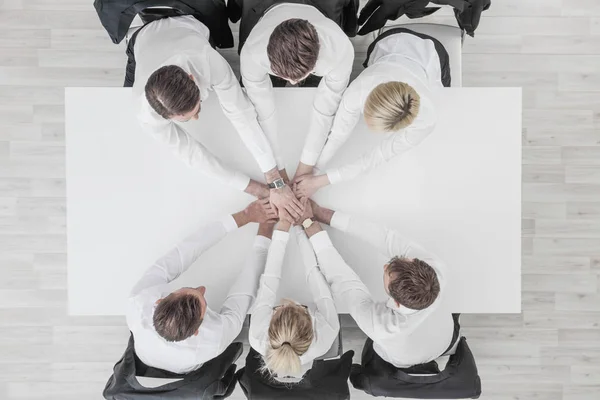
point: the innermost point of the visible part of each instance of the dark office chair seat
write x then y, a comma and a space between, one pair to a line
326, 380
459, 380
214, 380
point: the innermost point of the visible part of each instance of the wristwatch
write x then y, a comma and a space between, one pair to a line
277, 184
307, 223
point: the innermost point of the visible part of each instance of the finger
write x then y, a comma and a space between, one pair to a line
298, 209
294, 212
367, 10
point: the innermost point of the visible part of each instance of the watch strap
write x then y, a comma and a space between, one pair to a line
277, 183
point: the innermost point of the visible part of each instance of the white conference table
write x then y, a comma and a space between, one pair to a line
129, 200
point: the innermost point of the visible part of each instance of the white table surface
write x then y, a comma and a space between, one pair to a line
129, 200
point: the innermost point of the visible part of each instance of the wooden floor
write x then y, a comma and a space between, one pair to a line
549, 352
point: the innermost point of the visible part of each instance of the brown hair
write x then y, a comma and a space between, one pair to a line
178, 316
414, 283
391, 106
290, 336
293, 49
170, 91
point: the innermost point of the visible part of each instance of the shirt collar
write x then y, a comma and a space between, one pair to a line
400, 309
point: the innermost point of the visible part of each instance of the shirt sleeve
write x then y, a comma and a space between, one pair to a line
188, 149
392, 146
347, 286
240, 111
267, 293
326, 103
327, 320
243, 292
259, 89
182, 256
388, 242
346, 118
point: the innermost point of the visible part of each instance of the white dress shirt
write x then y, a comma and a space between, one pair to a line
323, 313
336, 55
183, 41
401, 336
218, 329
400, 57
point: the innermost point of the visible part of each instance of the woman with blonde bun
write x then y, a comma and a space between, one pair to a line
290, 336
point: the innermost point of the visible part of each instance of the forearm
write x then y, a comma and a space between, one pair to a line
243, 291
273, 174
304, 169
257, 189
323, 215
313, 229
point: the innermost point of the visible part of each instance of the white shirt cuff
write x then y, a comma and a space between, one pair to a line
229, 223
240, 181
281, 236
309, 157
280, 163
262, 242
334, 176
340, 221
320, 241
266, 162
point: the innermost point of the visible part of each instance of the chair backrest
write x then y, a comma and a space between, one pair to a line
458, 380
451, 37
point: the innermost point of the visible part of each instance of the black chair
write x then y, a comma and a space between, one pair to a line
117, 16
459, 380
214, 380
326, 380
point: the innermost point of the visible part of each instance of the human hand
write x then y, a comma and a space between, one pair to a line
307, 185
287, 205
308, 210
303, 169
266, 229
261, 211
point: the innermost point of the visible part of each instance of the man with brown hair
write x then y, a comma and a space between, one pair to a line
409, 328
175, 69
296, 44
176, 330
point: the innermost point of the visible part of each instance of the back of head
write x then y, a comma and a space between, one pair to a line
178, 316
170, 91
413, 283
293, 49
290, 336
391, 106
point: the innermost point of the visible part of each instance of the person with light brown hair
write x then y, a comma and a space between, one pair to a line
296, 44
410, 328
177, 330
175, 69
289, 336
395, 94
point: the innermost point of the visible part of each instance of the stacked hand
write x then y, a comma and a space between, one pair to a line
307, 185
286, 204
308, 210
261, 211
